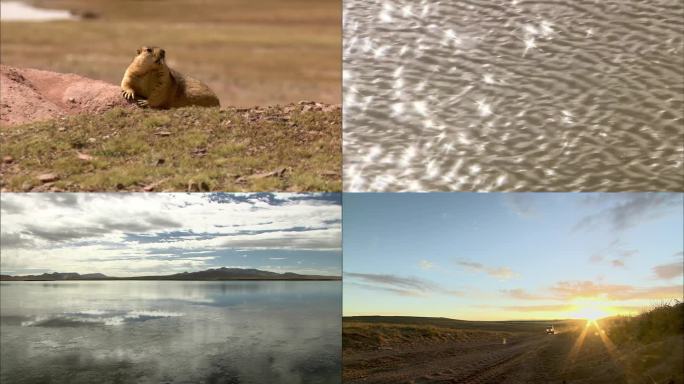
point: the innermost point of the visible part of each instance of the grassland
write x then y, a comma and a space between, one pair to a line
289, 148
373, 332
366, 336
258, 56
443, 322
257, 52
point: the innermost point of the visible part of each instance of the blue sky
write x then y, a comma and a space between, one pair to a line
510, 256
132, 234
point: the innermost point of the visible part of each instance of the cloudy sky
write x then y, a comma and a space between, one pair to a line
511, 256
124, 234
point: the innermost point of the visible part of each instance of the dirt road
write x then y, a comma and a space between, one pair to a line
525, 358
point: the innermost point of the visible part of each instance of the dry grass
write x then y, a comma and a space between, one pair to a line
258, 52
292, 148
358, 336
651, 345
662, 320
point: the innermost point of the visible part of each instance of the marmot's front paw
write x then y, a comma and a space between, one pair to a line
143, 103
128, 94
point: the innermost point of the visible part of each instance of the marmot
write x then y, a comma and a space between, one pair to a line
152, 83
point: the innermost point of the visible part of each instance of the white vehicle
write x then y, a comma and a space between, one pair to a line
550, 330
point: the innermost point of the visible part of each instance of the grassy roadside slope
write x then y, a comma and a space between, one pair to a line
651, 345
279, 148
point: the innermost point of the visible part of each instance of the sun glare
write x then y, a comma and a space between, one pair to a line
590, 309
591, 313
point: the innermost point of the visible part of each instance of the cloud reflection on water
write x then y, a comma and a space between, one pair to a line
177, 332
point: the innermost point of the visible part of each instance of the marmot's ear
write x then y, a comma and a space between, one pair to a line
138, 51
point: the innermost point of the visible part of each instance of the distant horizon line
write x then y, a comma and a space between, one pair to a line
456, 319
45, 276
323, 278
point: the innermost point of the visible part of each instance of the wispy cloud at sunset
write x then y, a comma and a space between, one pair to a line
511, 256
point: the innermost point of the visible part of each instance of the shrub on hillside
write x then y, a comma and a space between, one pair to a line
662, 320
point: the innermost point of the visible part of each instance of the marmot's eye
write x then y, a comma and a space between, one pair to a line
149, 50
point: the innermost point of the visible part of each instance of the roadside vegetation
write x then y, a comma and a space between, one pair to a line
281, 148
662, 320
651, 345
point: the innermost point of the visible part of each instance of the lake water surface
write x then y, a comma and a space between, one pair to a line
170, 332
513, 95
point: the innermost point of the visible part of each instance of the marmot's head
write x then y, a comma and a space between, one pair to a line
149, 57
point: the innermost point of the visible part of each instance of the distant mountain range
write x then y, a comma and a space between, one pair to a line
208, 275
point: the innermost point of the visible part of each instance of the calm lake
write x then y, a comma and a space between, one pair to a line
170, 332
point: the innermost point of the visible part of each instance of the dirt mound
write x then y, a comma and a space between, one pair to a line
28, 95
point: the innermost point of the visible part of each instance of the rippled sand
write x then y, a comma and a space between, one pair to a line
513, 95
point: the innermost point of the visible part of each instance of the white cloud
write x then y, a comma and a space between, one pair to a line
124, 234
501, 273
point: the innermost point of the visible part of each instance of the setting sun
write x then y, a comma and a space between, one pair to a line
590, 309
591, 313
